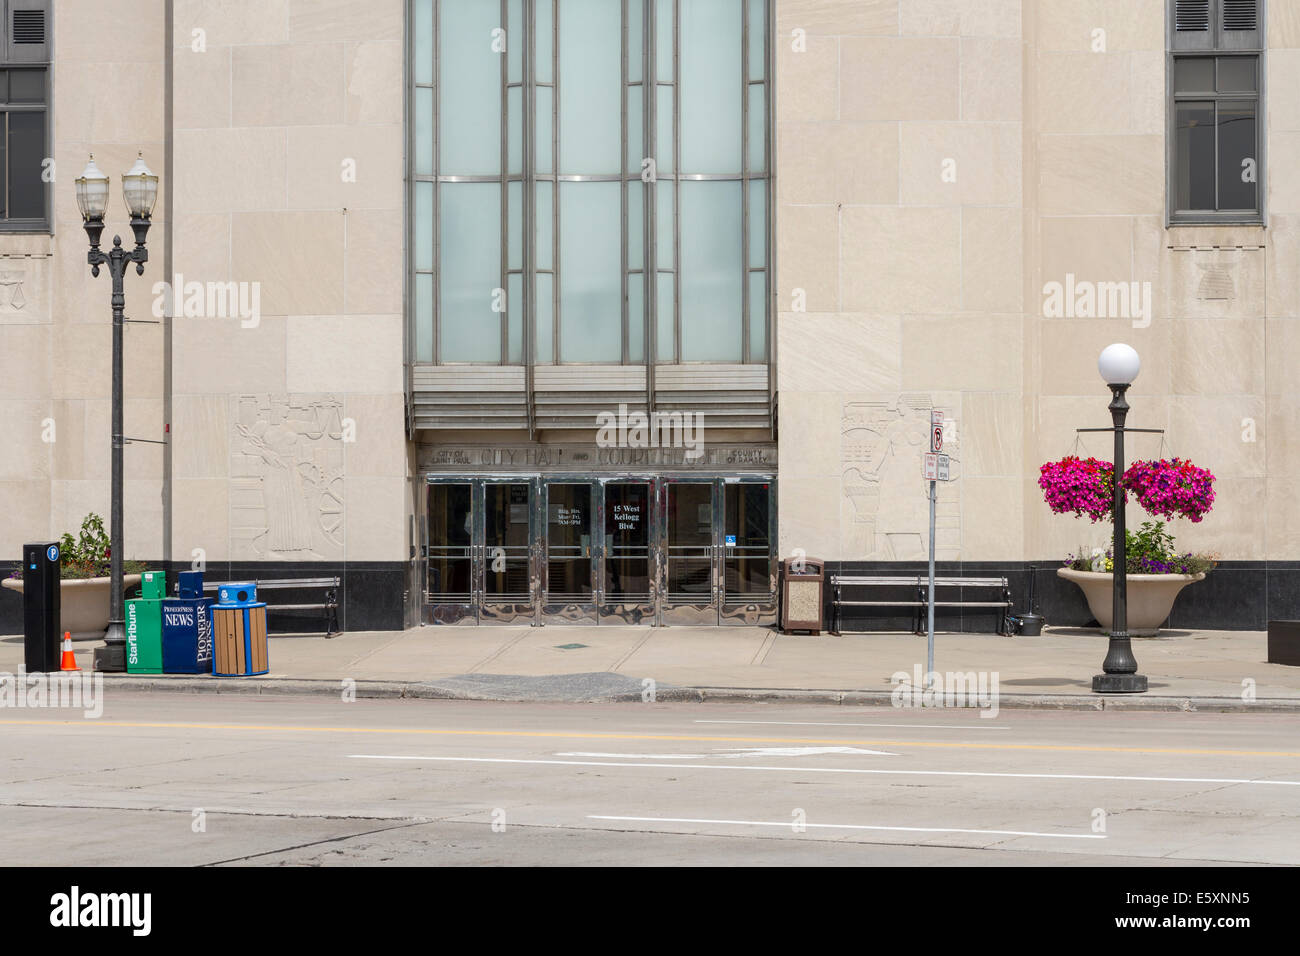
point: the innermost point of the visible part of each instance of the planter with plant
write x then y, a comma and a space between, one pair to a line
1156, 570
84, 582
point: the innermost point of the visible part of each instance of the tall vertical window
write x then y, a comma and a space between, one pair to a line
590, 181
24, 112
1216, 165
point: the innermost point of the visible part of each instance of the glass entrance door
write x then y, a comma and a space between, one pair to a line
690, 541
628, 580
571, 552
748, 565
480, 559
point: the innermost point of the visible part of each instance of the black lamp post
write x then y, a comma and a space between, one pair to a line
140, 190
1119, 366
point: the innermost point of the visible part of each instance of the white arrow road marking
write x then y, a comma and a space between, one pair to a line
855, 826
806, 769
733, 752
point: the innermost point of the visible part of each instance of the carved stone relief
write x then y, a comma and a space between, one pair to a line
885, 511
286, 477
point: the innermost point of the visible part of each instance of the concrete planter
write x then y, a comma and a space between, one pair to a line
1150, 597
83, 604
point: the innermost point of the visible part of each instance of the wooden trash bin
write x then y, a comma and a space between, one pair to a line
239, 645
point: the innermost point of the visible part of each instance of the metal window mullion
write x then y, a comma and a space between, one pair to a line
649, 198
504, 236
555, 169
437, 190
677, 193
622, 192
528, 190
744, 182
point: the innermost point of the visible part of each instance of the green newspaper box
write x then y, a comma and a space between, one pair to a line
144, 636
153, 585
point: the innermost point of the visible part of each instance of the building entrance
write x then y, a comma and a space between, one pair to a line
618, 550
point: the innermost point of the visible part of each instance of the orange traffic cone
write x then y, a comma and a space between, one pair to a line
69, 658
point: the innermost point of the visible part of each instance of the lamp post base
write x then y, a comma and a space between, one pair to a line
111, 658
1119, 684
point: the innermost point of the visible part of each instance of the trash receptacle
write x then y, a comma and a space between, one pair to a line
239, 628
802, 585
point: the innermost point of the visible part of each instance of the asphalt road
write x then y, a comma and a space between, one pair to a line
201, 780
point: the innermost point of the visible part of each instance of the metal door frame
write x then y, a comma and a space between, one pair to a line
456, 612
751, 613
569, 612
704, 613
506, 612
636, 614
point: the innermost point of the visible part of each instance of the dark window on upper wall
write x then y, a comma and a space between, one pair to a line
1216, 163
25, 167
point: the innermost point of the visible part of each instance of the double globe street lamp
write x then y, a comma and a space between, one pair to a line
140, 191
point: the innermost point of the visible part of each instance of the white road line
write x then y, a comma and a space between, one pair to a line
732, 752
819, 723
801, 769
856, 826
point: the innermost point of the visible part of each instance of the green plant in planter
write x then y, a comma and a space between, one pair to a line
1149, 550
88, 555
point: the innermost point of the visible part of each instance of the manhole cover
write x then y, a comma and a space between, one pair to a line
569, 647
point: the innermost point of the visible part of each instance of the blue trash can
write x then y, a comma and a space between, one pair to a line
239, 632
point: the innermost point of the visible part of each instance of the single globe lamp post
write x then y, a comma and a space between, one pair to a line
140, 191
1119, 366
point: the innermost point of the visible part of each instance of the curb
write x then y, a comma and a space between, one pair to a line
415, 690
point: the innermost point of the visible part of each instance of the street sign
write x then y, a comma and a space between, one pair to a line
936, 467
936, 431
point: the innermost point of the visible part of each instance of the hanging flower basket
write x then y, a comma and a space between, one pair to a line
1078, 486
1170, 488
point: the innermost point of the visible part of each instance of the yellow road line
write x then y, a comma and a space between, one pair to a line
575, 735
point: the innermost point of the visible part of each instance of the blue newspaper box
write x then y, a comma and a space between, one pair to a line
189, 584
187, 636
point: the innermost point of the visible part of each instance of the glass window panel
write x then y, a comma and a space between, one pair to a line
636, 317
515, 130
1237, 154
635, 129
757, 146
544, 225
635, 225
543, 27
1194, 74
627, 540
26, 153
635, 38
450, 535
515, 316
591, 76
424, 226
515, 235
711, 82
26, 86
665, 337
1236, 74
1194, 155
469, 270
758, 317
542, 138
664, 129
569, 520
757, 39
515, 41
746, 522
757, 223
664, 41
4, 86
711, 272
424, 317
664, 224
423, 30
591, 326
469, 112
424, 131
543, 319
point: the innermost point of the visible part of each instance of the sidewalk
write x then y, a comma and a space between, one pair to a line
1187, 670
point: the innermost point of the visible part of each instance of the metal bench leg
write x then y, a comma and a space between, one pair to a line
331, 614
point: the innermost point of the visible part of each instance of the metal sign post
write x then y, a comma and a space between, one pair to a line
936, 469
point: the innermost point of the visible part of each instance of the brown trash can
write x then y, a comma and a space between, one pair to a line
802, 592
239, 641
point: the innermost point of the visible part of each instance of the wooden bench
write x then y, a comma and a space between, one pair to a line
922, 584
329, 602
